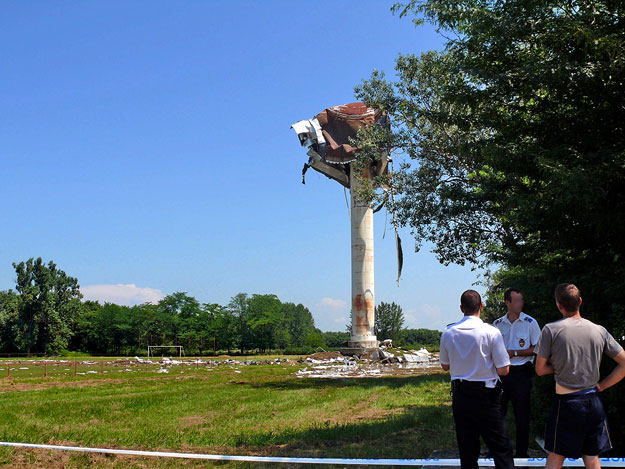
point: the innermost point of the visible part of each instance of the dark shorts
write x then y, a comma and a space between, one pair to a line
577, 425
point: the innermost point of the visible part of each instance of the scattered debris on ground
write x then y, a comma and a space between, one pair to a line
56, 367
383, 361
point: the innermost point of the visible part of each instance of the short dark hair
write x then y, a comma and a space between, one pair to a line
507, 295
471, 301
568, 296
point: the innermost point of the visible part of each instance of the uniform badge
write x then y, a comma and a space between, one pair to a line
521, 343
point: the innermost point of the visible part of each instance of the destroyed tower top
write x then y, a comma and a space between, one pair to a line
327, 136
339, 124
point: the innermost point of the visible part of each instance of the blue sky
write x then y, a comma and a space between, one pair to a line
146, 149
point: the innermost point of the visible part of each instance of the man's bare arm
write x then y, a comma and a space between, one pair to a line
503, 370
617, 374
445, 367
543, 367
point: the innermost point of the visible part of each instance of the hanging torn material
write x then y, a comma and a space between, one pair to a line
400, 255
400, 252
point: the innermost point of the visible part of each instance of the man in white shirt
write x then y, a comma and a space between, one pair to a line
520, 334
475, 355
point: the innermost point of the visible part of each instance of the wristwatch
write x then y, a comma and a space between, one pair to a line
516, 353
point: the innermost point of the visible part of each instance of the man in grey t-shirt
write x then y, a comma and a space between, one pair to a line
571, 349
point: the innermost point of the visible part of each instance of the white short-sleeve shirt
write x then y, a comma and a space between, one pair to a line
473, 350
519, 335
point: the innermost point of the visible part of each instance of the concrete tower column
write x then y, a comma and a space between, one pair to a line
363, 305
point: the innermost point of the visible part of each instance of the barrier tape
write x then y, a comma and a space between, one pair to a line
539, 462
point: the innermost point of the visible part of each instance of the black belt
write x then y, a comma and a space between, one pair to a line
475, 389
464, 385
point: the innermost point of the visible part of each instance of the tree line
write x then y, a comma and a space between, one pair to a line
45, 314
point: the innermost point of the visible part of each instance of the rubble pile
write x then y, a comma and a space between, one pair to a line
371, 363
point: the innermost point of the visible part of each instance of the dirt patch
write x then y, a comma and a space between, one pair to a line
81, 383
325, 355
75, 425
13, 386
363, 414
56, 459
196, 420
361, 411
45, 459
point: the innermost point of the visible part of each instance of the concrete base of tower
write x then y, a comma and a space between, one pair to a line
363, 342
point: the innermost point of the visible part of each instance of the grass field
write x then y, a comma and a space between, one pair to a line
257, 410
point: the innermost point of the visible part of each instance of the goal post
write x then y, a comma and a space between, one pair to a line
179, 347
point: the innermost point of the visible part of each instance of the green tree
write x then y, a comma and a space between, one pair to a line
389, 321
266, 321
181, 304
179, 313
152, 323
239, 307
223, 326
336, 339
84, 332
9, 320
299, 323
513, 133
314, 340
49, 301
422, 337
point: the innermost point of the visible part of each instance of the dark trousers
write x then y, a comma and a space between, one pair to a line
477, 412
517, 386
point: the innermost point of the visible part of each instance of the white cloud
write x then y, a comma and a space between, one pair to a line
331, 314
410, 318
121, 294
431, 310
331, 303
430, 317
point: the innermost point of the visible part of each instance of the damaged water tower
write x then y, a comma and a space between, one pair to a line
327, 137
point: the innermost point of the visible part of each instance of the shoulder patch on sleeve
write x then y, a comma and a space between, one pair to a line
497, 321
